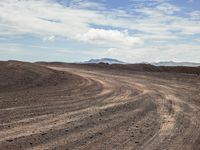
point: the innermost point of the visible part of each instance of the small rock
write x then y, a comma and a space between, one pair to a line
9, 140
91, 137
136, 141
43, 133
66, 130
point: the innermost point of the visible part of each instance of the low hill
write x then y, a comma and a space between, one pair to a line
20, 75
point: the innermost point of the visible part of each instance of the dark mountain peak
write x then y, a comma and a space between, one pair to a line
104, 60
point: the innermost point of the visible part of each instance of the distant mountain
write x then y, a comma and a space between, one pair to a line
172, 63
103, 60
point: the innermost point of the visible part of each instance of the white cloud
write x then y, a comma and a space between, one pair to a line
113, 37
46, 18
167, 8
85, 4
49, 38
43, 18
197, 40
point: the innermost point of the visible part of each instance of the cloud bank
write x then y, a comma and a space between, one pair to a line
136, 29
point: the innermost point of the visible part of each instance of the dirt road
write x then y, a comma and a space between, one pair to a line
104, 109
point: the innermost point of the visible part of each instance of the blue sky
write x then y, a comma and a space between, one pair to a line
78, 30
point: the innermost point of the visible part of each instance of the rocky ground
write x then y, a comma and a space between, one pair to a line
70, 106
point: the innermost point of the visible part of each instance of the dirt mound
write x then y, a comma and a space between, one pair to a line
180, 69
151, 68
20, 75
138, 67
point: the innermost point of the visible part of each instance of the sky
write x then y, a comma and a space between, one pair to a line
78, 30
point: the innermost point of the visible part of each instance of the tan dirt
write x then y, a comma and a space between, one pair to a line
103, 109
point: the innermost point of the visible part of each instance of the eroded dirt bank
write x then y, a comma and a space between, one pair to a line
91, 108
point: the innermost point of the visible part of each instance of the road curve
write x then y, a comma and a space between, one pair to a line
105, 110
